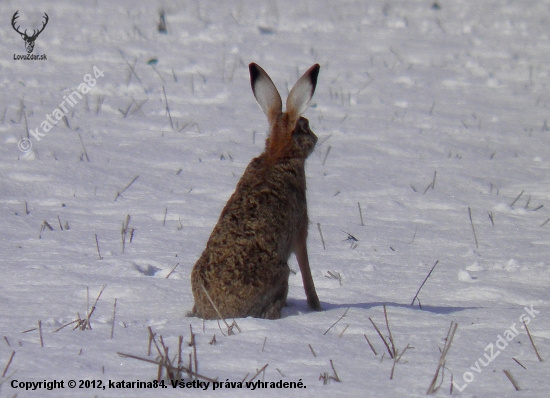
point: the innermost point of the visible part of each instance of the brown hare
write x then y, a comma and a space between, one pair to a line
243, 271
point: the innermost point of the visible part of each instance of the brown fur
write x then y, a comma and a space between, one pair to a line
244, 267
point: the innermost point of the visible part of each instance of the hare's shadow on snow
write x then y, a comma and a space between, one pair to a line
296, 307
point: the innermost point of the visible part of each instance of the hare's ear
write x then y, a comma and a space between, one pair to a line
301, 93
265, 92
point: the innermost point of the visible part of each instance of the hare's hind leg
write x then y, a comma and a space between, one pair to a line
269, 302
273, 311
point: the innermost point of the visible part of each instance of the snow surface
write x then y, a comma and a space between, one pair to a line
406, 91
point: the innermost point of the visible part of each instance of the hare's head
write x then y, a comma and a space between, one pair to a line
290, 135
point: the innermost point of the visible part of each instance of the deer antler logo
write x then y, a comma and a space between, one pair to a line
29, 40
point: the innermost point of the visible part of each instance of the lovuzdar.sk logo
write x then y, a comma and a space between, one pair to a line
29, 39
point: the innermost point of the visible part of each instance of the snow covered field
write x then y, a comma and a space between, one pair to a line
426, 116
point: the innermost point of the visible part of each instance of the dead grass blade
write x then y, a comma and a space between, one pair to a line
509, 376
327, 378
258, 372
532, 342
229, 327
84, 323
162, 363
382, 337
8, 364
441, 365
422, 285
370, 345
339, 319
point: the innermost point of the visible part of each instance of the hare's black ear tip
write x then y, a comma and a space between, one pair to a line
314, 73
254, 71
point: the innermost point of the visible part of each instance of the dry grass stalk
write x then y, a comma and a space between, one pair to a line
313, 352
97, 246
40, 331
532, 342
132, 72
321, 234
339, 319
99, 104
370, 345
382, 337
84, 323
509, 376
519, 363
414, 235
119, 193
229, 327
422, 285
346, 328
327, 378
262, 369
172, 373
441, 365
180, 347
150, 342
113, 323
22, 111
85, 154
432, 184
167, 107
87, 324
352, 239
43, 227
124, 231
516, 199
336, 276
164, 363
473, 228
326, 154
527, 203
396, 359
173, 269
193, 344
335, 378
8, 364
68, 324
394, 350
